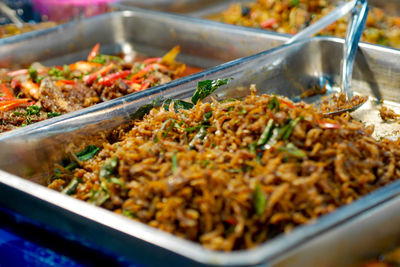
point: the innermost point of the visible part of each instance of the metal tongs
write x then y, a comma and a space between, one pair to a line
359, 12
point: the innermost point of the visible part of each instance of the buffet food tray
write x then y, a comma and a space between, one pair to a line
146, 33
29, 156
151, 33
200, 8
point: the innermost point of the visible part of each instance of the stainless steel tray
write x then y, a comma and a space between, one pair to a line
150, 33
285, 70
203, 44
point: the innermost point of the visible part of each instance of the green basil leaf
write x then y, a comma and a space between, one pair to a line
206, 88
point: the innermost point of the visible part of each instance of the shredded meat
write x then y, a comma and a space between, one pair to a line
231, 175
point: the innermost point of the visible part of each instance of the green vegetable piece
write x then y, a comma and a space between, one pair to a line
33, 73
293, 151
170, 127
71, 188
199, 136
87, 153
287, 130
178, 104
32, 110
56, 72
259, 200
266, 135
174, 160
207, 116
129, 214
253, 148
142, 111
108, 168
99, 197
274, 104
53, 114
294, 2
101, 59
117, 181
206, 88
195, 128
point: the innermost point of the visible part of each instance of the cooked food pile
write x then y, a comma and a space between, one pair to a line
11, 29
35, 94
231, 174
291, 16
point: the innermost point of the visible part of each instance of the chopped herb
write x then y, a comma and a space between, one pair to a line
33, 73
174, 160
204, 163
274, 104
83, 155
55, 72
170, 127
53, 114
229, 100
199, 136
253, 148
143, 110
195, 128
99, 197
102, 59
32, 110
292, 150
242, 111
129, 214
71, 188
178, 104
267, 134
87, 153
206, 88
117, 181
108, 168
259, 200
288, 128
16, 113
294, 2
207, 116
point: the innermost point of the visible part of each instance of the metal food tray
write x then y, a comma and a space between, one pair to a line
207, 8
144, 32
203, 44
285, 70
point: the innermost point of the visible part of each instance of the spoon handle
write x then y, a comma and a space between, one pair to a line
355, 29
11, 14
324, 22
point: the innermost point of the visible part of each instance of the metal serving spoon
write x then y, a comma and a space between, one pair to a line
355, 29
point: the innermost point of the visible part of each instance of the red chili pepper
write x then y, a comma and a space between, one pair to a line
89, 79
64, 82
109, 79
287, 103
142, 72
145, 85
5, 91
151, 60
328, 125
94, 52
11, 104
269, 23
231, 221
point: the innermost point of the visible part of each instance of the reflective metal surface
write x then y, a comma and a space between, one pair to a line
287, 70
203, 44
